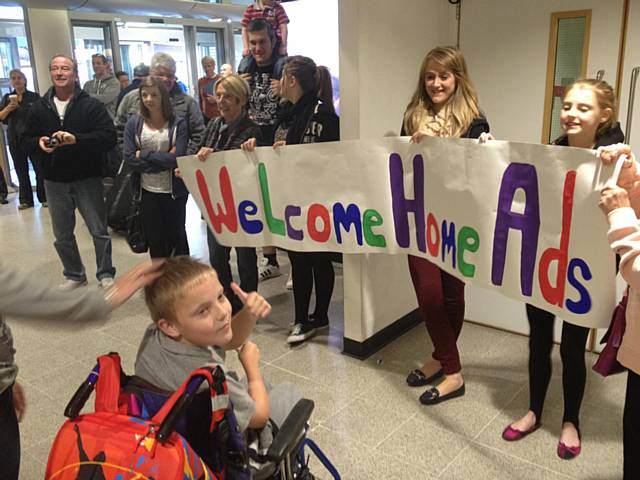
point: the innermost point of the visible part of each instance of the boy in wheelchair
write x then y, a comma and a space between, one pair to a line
193, 327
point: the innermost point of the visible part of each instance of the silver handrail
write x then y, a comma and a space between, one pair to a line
599, 74
632, 96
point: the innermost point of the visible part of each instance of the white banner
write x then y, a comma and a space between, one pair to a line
521, 219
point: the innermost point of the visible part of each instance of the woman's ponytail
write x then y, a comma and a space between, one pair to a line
324, 87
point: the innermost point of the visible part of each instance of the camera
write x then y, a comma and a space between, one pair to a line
53, 142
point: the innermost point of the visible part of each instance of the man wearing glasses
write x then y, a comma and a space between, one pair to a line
72, 133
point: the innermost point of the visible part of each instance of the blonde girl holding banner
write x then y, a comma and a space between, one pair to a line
588, 119
444, 104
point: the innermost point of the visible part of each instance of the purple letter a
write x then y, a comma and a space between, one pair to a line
517, 175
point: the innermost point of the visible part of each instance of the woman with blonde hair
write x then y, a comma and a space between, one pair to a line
227, 132
444, 104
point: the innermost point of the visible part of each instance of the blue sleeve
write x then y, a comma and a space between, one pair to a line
161, 161
130, 147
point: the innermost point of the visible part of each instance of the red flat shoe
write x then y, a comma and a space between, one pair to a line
569, 453
511, 434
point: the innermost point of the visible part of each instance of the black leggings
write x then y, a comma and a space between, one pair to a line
163, 218
9, 436
631, 425
574, 370
307, 268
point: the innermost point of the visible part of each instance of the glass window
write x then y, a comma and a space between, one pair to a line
567, 61
139, 41
14, 53
207, 44
237, 47
14, 47
89, 40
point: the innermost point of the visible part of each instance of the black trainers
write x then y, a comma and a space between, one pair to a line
3, 200
318, 323
301, 332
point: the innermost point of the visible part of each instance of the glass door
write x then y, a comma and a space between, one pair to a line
208, 44
567, 61
139, 41
89, 39
14, 53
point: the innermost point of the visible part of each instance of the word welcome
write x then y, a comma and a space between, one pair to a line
486, 218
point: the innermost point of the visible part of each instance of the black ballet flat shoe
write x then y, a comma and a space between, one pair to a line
433, 397
418, 379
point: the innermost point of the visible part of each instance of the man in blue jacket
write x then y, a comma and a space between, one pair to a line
74, 131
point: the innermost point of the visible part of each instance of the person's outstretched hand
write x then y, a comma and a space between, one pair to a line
138, 277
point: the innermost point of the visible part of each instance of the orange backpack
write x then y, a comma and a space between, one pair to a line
109, 444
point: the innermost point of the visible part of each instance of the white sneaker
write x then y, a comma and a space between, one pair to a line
289, 284
301, 332
266, 270
106, 282
69, 285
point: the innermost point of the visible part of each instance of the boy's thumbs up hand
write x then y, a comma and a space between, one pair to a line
254, 303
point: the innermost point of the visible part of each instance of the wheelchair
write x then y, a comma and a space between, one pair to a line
223, 449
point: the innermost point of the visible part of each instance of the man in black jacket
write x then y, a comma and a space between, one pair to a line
74, 131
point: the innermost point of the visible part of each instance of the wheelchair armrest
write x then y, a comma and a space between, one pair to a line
291, 431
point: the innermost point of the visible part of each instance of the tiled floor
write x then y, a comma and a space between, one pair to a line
366, 419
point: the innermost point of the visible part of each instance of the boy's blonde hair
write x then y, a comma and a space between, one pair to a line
178, 275
605, 97
463, 104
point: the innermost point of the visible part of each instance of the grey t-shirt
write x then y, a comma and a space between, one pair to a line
166, 363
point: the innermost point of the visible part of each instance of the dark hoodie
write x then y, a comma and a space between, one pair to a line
608, 137
478, 126
308, 121
87, 119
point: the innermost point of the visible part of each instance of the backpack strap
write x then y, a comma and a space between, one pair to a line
108, 384
180, 400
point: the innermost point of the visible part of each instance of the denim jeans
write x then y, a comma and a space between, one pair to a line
219, 256
9, 437
86, 196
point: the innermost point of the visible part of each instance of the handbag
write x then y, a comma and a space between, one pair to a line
136, 237
607, 363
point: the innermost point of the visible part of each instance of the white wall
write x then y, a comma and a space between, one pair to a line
506, 43
631, 60
381, 49
50, 35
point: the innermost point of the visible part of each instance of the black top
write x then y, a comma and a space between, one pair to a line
87, 119
308, 121
478, 126
608, 137
222, 136
16, 119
